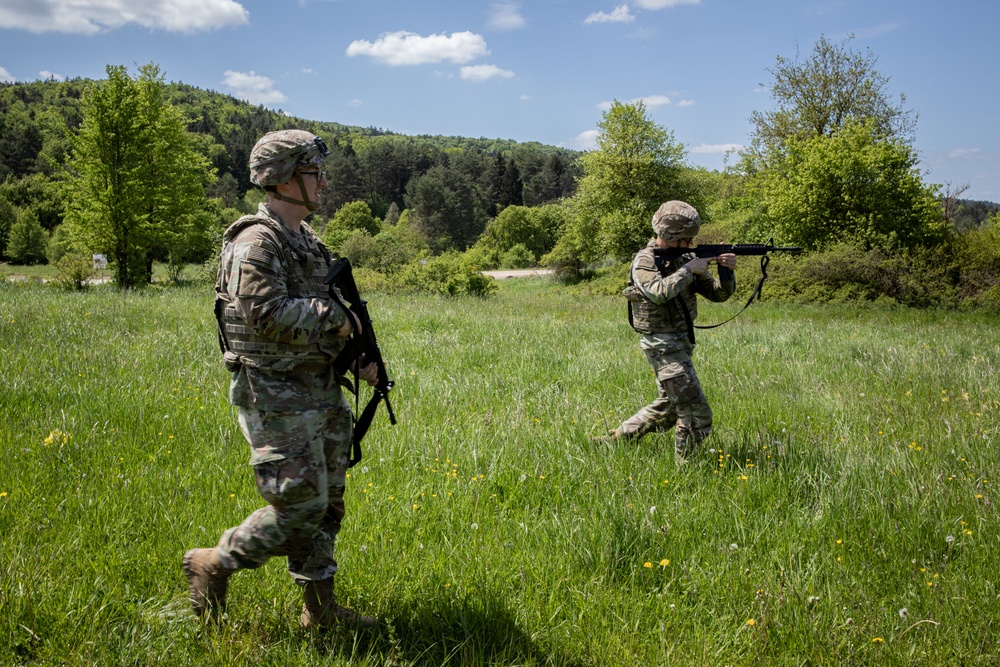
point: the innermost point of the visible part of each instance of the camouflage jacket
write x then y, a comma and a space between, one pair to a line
278, 323
655, 296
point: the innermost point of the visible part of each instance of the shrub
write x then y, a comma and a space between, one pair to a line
919, 277
518, 257
447, 275
73, 272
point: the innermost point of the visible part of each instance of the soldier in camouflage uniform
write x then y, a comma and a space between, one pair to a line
280, 330
662, 307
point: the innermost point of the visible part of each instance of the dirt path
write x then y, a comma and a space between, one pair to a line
518, 273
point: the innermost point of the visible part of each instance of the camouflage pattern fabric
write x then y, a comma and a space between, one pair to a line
676, 220
657, 315
681, 403
300, 464
284, 328
271, 282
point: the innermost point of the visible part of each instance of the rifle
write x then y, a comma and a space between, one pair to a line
365, 343
661, 256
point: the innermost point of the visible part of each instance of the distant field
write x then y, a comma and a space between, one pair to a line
847, 516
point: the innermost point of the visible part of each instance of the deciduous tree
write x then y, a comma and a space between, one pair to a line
637, 166
137, 187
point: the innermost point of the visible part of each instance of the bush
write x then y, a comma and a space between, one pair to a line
518, 257
920, 277
481, 258
73, 272
447, 275
564, 261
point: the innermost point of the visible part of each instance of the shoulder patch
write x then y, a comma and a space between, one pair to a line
258, 254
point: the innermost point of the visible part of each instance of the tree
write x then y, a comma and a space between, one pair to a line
8, 216
353, 217
27, 241
820, 95
535, 229
636, 167
834, 162
444, 208
851, 187
136, 190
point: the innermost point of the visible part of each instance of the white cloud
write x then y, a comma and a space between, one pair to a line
525, 98
408, 48
716, 149
661, 4
46, 75
506, 16
653, 101
686, 103
650, 102
355, 102
585, 141
960, 153
6, 77
620, 14
92, 16
483, 72
253, 88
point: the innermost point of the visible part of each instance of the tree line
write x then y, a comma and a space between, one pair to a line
831, 168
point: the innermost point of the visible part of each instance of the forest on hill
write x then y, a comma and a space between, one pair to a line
831, 168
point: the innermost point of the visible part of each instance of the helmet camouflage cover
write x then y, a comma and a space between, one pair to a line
676, 220
277, 155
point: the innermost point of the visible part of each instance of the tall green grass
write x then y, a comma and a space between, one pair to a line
845, 515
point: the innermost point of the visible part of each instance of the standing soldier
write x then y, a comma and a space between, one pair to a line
662, 307
280, 331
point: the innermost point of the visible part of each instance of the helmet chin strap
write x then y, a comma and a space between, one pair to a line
312, 206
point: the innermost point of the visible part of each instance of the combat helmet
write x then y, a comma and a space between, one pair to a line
278, 156
676, 220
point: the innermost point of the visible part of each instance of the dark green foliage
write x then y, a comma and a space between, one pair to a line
446, 274
27, 240
918, 277
38, 193
8, 216
445, 209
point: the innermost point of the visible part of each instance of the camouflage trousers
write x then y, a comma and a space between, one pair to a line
681, 405
300, 464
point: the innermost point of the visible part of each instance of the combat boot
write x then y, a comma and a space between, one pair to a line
208, 580
320, 609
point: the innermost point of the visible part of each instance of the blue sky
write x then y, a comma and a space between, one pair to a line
535, 70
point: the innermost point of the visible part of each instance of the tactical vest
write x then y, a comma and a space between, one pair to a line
647, 317
306, 262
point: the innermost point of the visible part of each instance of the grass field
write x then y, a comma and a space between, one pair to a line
846, 517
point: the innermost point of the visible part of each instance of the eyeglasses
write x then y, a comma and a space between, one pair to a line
320, 175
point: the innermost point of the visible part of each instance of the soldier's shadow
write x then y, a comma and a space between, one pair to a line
430, 633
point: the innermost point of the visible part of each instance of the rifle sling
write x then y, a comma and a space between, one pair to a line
764, 260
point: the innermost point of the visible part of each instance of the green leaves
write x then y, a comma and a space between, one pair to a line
136, 190
637, 166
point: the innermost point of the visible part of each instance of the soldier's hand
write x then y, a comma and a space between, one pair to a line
351, 324
727, 260
368, 373
699, 265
